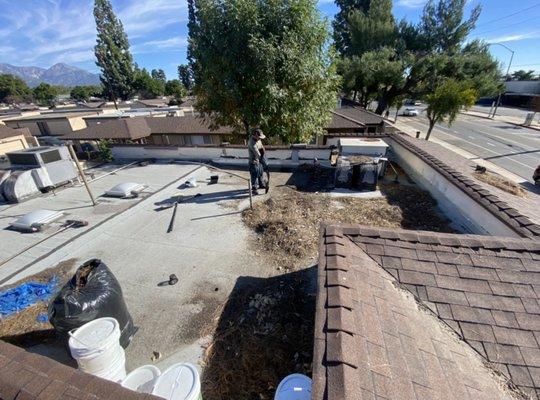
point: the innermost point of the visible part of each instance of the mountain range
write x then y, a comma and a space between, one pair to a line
59, 74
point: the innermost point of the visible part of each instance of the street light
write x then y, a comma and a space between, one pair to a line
507, 73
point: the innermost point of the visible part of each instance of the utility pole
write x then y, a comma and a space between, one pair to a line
507, 73
76, 160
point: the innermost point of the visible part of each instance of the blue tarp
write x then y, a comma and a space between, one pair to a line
23, 296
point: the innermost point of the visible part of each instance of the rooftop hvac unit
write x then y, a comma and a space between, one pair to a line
363, 146
36, 220
125, 190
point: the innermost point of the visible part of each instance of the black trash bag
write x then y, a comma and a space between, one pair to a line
93, 292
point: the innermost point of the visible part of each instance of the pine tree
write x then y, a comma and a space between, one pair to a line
159, 74
184, 74
112, 53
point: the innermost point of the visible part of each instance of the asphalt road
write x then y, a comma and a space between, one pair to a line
516, 149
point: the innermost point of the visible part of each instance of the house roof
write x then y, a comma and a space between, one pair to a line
140, 127
154, 102
6, 132
51, 115
349, 116
414, 314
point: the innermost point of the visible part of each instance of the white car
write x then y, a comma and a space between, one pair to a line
410, 112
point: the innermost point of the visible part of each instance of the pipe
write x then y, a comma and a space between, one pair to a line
74, 156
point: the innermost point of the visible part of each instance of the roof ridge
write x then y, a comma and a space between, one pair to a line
348, 118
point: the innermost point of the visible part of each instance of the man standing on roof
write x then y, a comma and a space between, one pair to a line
257, 160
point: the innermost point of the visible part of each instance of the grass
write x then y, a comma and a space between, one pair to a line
500, 183
287, 225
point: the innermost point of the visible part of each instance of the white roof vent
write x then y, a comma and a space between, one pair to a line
36, 220
126, 189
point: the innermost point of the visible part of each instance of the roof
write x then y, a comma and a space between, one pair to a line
31, 376
50, 115
125, 128
360, 114
6, 132
415, 314
140, 127
154, 102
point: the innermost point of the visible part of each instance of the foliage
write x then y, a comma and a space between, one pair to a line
83, 93
112, 53
159, 74
263, 64
184, 73
45, 94
523, 75
13, 89
146, 86
342, 36
447, 100
175, 88
104, 148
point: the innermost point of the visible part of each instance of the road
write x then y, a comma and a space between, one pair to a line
513, 148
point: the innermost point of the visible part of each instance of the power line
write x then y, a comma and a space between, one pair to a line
513, 25
509, 15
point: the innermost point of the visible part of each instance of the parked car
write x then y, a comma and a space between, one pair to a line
417, 103
536, 176
410, 112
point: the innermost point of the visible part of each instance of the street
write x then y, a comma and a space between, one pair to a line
517, 149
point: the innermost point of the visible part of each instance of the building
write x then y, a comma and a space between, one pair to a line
50, 124
14, 139
167, 131
521, 93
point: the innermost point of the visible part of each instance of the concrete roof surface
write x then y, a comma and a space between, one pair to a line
374, 339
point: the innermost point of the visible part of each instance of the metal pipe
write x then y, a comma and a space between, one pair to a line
76, 160
507, 73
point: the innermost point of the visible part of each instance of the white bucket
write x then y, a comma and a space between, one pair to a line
179, 382
191, 182
96, 347
294, 387
142, 379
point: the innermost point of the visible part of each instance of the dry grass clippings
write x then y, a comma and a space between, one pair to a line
500, 183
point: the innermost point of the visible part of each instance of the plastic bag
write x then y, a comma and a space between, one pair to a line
93, 292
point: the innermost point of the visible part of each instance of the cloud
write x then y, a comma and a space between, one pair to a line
514, 38
154, 46
411, 3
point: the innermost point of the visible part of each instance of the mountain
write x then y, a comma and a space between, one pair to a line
59, 74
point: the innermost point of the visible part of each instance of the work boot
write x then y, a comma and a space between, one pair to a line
254, 192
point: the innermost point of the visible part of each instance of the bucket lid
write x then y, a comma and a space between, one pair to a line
179, 382
142, 379
294, 387
95, 334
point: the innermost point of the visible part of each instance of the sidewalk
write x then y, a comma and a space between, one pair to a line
506, 118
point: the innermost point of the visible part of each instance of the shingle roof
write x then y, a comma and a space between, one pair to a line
6, 132
360, 114
372, 339
125, 128
188, 124
30, 376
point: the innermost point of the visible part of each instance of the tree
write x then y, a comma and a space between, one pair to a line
104, 149
263, 64
184, 73
447, 100
45, 94
523, 75
175, 89
13, 89
159, 74
146, 86
112, 53
83, 93
342, 37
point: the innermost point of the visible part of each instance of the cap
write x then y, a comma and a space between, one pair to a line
258, 132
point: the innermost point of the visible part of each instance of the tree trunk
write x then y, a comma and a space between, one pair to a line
115, 103
382, 104
431, 126
397, 111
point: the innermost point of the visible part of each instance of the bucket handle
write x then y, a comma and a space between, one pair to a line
71, 335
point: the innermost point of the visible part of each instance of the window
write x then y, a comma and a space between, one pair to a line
187, 140
207, 139
372, 129
50, 156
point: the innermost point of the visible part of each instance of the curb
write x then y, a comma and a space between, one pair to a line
536, 128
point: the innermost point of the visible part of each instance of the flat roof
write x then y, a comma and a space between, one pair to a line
51, 115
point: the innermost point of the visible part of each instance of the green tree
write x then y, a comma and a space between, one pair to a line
184, 73
112, 53
146, 86
447, 100
263, 64
175, 89
159, 74
104, 149
523, 75
45, 94
83, 93
13, 89
342, 35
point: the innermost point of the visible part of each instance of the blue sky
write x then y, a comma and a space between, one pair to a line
44, 32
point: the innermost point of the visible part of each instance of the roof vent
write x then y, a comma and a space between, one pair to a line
125, 190
36, 220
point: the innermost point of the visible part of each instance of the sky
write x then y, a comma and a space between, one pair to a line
44, 32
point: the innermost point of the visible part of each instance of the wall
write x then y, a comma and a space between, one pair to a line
31, 125
12, 143
464, 212
528, 87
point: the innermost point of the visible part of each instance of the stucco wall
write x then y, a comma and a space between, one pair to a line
464, 212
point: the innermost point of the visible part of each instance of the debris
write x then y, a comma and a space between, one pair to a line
500, 182
191, 182
156, 355
23, 296
42, 318
171, 223
173, 280
214, 179
480, 169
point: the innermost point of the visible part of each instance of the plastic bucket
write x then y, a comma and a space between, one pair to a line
179, 382
294, 387
142, 379
96, 348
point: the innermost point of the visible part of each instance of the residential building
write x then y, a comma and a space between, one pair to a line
14, 139
50, 124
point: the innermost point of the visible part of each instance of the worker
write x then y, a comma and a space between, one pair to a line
256, 150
